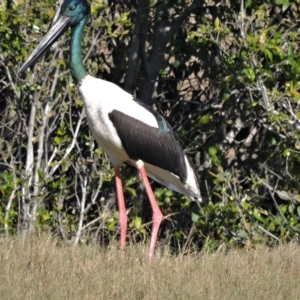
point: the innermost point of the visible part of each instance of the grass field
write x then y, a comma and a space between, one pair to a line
38, 268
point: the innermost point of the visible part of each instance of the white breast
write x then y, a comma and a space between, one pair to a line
102, 97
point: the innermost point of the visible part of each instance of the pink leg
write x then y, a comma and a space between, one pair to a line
157, 215
122, 211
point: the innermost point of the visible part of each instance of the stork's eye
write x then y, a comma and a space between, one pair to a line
72, 7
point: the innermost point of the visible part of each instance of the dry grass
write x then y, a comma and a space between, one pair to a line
37, 268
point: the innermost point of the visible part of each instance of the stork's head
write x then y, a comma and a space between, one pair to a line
76, 10
72, 12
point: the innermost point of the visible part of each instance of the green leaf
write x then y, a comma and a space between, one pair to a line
57, 140
112, 224
212, 150
246, 205
269, 54
46, 216
215, 160
164, 71
43, 213
257, 215
226, 96
250, 73
286, 152
8, 178
137, 222
178, 235
159, 192
41, 173
283, 208
195, 217
131, 190
99, 151
217, 22
285, 4
205, 119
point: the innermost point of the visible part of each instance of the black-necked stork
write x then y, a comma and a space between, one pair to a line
127, 130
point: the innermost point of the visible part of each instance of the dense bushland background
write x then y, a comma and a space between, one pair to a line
225, 74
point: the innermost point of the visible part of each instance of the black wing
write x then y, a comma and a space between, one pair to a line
155, 146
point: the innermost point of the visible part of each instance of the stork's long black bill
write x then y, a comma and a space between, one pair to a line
54, 33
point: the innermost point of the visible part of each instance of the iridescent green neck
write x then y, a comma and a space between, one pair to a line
76, 64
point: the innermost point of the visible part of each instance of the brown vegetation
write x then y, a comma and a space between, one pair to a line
225, 74
39, 268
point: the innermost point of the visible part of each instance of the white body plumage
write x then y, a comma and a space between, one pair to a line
100, 99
